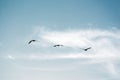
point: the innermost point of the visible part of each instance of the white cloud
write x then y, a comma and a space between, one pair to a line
105, 47
104, 43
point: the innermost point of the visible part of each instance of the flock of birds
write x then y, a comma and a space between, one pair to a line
58, 45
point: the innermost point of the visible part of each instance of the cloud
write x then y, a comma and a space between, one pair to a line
104, 43
105, 47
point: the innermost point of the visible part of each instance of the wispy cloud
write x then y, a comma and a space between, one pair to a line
104, 43
105, 47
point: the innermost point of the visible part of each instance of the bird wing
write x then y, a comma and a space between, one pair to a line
29, 42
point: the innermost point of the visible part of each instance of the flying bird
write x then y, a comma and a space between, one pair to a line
31, 41
57, 45
87, 48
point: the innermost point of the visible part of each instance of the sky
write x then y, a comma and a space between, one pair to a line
76, 24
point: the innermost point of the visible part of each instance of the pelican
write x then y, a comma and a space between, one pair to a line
57, 45
87, 48
31, 41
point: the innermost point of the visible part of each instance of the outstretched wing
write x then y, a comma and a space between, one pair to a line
87, 48
31, 41
57, 45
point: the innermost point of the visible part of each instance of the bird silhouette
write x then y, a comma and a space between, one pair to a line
57, 45
31, 41
87, 48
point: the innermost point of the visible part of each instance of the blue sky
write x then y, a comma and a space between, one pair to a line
73, 23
